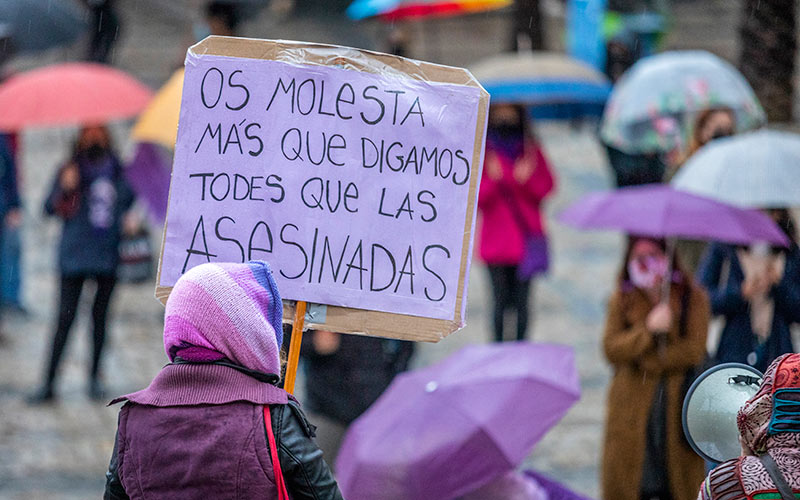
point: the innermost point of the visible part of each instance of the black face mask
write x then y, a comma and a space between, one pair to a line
509, 130
720, 133
95, 152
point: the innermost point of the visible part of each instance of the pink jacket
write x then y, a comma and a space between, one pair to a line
501, 239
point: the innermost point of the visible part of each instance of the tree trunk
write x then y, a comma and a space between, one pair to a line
527, 32
768, 45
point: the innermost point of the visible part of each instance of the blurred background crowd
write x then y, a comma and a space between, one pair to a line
681, 113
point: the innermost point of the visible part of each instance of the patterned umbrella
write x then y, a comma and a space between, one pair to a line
654, 101
758, 169
404, 9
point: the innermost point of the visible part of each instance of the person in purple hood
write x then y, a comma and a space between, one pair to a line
213, 423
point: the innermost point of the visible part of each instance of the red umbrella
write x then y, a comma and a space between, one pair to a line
70, 93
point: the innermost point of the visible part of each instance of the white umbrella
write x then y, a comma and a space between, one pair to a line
757, 169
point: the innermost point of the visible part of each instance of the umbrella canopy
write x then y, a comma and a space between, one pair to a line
758, 169
659, 211
443, 431
541, 78
41, 24
158, 123
653, 103
405, 9
70, 93
149, 175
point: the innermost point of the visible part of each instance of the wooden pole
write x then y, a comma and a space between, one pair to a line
294, 346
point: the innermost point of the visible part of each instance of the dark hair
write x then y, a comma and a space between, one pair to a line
786, 222
78, 147
224, 11
522, 116
700, 123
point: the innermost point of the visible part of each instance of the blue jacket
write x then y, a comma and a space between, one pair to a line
738, 340
86, 249
9, 195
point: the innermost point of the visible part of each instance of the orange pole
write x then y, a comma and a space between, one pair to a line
294, 346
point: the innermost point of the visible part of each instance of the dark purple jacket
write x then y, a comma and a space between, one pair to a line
198, 432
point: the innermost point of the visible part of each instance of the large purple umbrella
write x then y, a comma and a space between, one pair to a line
443, 431
660, 211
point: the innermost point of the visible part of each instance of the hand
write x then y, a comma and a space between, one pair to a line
14, 218
493, 168
523, 169
70, 177
325, 342
131, 224
659, 320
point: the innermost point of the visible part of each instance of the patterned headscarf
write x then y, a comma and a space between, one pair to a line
772, 416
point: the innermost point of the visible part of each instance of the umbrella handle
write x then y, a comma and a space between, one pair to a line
666, 283
294, 345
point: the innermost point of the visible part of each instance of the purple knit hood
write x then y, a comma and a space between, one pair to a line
231, 311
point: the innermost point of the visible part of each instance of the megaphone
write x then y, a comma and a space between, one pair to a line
710, 408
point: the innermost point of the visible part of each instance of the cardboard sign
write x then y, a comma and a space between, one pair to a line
354, 174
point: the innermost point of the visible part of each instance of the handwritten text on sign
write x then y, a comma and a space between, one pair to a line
352, 185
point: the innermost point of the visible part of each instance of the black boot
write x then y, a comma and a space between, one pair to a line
97, 391
44, 395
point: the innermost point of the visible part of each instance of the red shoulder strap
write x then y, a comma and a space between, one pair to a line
273, 450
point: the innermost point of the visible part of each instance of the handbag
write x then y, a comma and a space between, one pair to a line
536, 252
135, 258
273, 451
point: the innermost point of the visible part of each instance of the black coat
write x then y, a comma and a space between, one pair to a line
738, 340
342, 385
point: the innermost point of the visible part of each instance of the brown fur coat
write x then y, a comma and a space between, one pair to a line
638, 366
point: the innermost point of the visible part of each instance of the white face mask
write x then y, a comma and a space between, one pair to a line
645, 271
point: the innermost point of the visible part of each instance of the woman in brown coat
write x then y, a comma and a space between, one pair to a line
651, 346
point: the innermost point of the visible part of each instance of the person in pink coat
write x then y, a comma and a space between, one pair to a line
513, 244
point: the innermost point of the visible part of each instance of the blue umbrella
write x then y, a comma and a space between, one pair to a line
35, 25
551, 83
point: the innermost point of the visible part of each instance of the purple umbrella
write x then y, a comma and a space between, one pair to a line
443, 431
659, 211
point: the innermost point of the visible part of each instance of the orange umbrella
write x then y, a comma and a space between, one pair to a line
70, 93
158, 123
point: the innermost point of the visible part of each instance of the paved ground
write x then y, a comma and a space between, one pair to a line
62, 451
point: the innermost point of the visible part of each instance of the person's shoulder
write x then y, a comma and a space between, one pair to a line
724, 481
291, 415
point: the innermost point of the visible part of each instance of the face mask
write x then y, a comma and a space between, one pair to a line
720, 133
95, 152
509, 130
644, 272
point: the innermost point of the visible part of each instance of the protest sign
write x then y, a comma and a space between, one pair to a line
354, 173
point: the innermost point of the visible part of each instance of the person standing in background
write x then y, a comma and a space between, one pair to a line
710, 124
757, 293
10, 214
652, 345
11, 242
91, 196
513, 244
105, 28
345, 374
